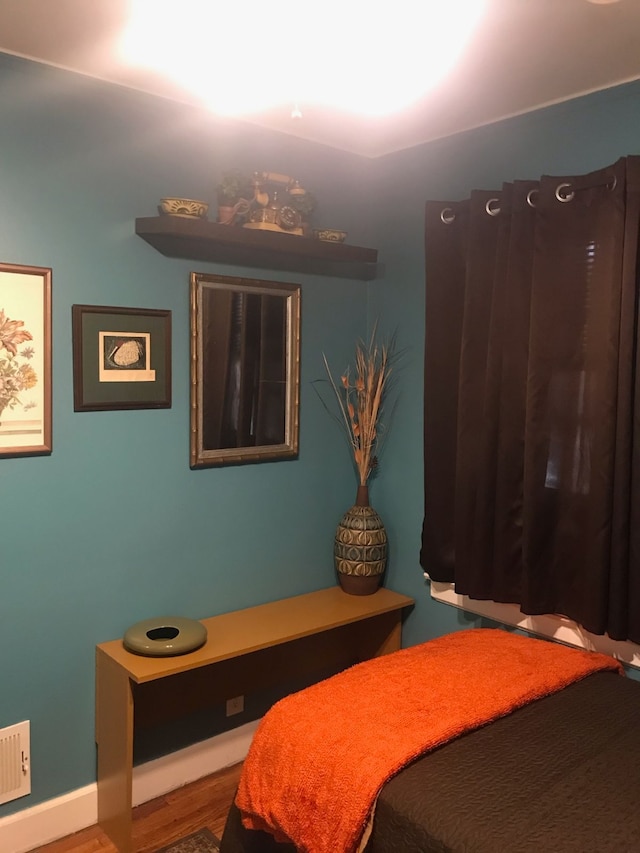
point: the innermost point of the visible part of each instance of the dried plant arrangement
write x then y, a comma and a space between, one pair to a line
363, 405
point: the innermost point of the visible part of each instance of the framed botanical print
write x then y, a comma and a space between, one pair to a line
25, 360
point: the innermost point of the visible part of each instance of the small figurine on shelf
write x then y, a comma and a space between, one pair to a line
235, 193
279, 203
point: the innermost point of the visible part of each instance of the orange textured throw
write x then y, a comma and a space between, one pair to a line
319, 757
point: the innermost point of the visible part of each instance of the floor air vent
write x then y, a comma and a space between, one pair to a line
15, 767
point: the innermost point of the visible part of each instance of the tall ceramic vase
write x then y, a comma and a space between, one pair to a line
360, 548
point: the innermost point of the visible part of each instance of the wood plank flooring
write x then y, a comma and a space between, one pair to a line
203, 803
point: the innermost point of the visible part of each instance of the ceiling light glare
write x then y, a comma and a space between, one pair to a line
372, 58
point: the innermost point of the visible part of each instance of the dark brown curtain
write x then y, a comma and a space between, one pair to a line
531, 427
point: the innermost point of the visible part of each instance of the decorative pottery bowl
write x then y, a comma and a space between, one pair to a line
330, 235
183, 207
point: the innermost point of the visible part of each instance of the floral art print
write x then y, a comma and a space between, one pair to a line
24, 360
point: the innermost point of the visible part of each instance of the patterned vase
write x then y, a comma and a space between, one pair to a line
360, 547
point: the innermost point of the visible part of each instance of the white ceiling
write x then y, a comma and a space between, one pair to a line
525, 55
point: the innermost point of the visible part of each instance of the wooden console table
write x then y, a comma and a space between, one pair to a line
246, 651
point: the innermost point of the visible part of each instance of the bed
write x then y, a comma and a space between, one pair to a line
560, 771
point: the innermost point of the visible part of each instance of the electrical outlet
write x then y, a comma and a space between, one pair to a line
235, 706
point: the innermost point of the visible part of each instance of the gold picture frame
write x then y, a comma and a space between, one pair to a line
25, 360
245, 370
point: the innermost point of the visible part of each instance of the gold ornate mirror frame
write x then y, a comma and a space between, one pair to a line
245, 370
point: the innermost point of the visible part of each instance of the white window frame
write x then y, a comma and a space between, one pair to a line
555, 627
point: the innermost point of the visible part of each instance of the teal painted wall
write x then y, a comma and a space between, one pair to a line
571, 138
114, 527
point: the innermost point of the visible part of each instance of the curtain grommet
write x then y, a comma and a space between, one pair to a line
561, 195
489, 206
447, 215
530, 197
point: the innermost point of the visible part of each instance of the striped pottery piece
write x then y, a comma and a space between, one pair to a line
360, 550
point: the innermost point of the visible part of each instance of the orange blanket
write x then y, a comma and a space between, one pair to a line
319, 757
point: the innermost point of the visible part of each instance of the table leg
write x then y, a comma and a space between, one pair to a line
114, 739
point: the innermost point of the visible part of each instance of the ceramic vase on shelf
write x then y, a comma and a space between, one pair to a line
360, 547
226, 214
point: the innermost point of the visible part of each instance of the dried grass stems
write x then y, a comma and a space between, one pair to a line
362, 398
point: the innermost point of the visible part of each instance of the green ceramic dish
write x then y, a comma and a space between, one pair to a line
165, 636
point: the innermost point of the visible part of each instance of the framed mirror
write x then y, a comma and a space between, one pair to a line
245, 370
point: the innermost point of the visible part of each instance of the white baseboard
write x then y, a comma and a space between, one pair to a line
78, 809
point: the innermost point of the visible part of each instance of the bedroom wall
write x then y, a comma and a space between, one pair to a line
114, 527
574, 137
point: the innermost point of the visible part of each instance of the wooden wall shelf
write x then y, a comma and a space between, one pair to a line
201, 240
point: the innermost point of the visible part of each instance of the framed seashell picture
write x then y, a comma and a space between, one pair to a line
121, 358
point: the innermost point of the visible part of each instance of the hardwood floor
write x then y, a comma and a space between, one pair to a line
165, 819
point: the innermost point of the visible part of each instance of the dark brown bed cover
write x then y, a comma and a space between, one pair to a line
561, 775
